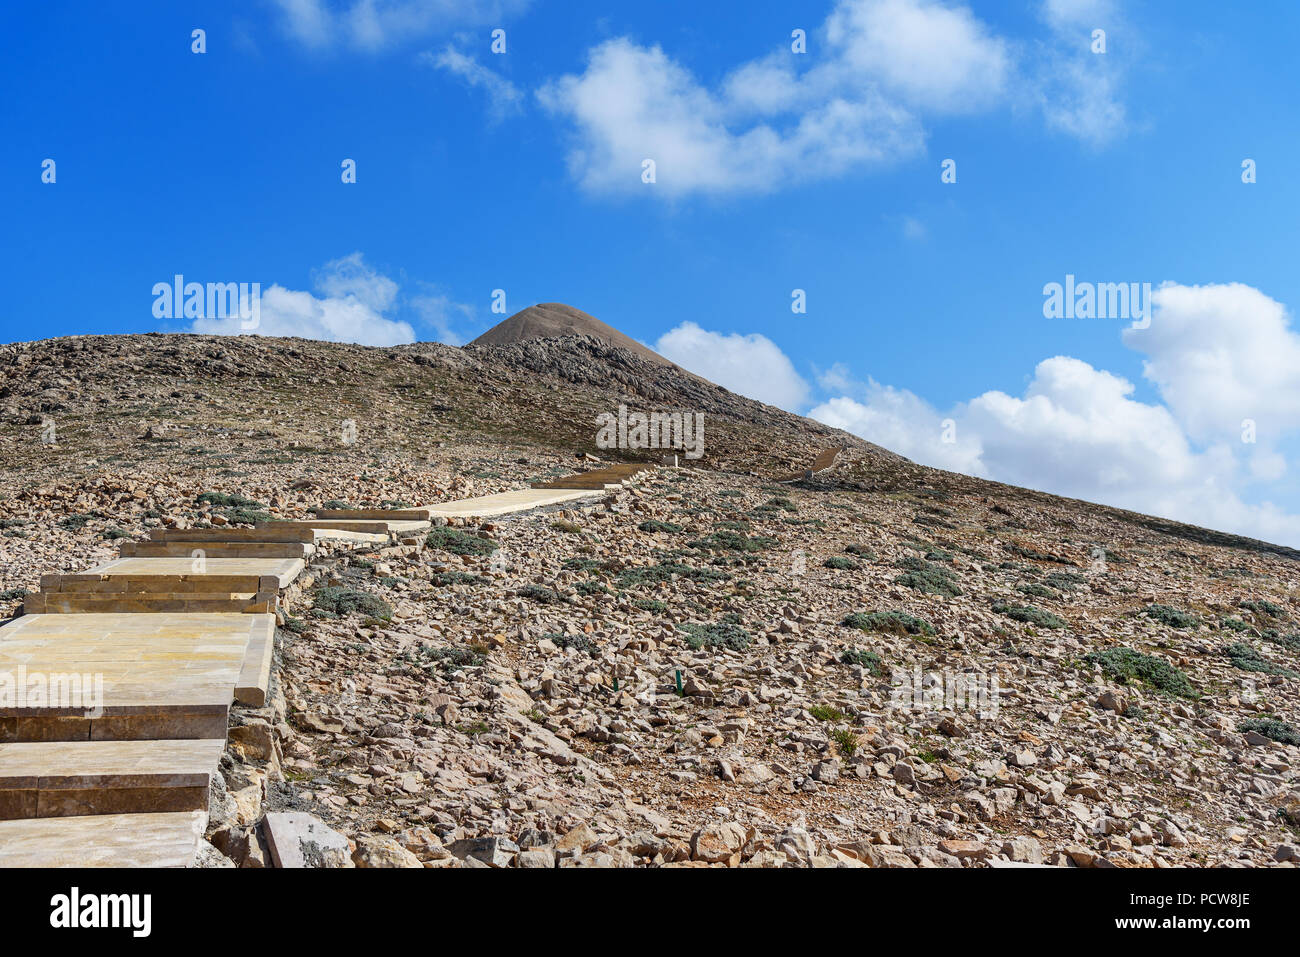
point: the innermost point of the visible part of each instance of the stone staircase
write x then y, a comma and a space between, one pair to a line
146, 654
824, 460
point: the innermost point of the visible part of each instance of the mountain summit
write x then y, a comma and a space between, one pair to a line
548, 320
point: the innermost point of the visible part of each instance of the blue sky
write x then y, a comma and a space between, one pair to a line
774, 171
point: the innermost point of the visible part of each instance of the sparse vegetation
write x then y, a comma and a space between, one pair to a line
866, 659
928, 578
842, 563
1264, 607
732, 542
667, 571
1036, 590
458, 542
825, 712
846, 742
1246, 658
451, 660
1271, 728
578, 642
225, 500
723, 634
1029, 615
1128, 665
895, 622
654, 525
540, 593
1172, 617
335, 602
443, 579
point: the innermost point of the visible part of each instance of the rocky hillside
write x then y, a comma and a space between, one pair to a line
117, 398
885, 666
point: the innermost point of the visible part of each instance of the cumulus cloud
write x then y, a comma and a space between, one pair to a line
350, 307
350, 278
750, 365
1222, 354
928, 54
504, 98
880, 66
1076, 431
1219, 355
635, 103
372, 25
902, 422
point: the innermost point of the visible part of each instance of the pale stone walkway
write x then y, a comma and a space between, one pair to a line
163, 640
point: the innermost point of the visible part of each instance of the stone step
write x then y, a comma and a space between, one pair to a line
375, 514
181, 549
503, 503
824, 460
263, 533
177, 603
290, 532
606, 478
130, 676
104, 840
192, 574
363, 526
77, 778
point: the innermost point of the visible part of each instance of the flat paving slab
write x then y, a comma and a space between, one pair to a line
302, 532
154, 675
256, 570
217, 549
169, 839
505, 502
361, 525
375, 514
74, 778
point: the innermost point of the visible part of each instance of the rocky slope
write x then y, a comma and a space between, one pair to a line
512, 696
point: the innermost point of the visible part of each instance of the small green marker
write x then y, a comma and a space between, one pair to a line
679, 682
615, 684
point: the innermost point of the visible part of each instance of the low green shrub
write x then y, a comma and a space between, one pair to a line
895, 622
1127, 665
336, 602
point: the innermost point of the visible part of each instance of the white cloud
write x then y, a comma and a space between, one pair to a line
902, 422
350, 278
372, 25
440, 312
1077, 89
1217, 354
504, 97
1220, 354
353, 298
635, 103
750, 365
1076, 431
874, 68
929, 54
